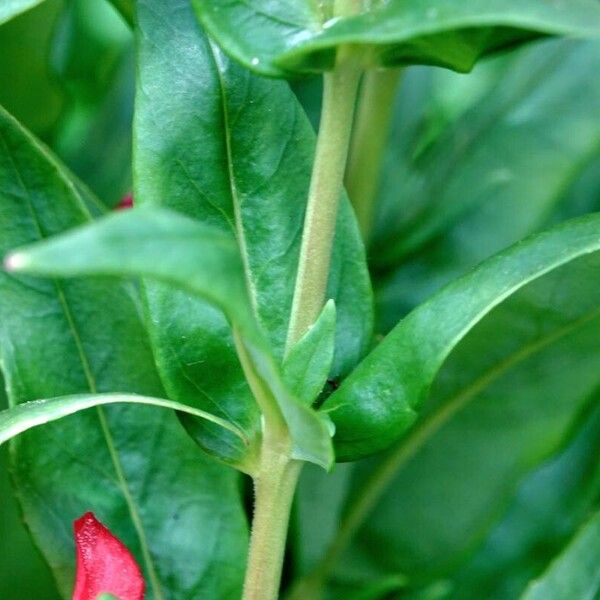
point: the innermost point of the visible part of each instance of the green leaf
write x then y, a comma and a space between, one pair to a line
167, 246
12, 8
24, 42
132, 465
560, 494
20, 418
302, 36
379, 402
509, 397
576, 572
198, 151
148, 241
306, 367
453, 193
523, 377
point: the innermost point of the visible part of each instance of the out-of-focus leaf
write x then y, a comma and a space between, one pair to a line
92, 58
549, 505
308, 363
63, 338
576, 572
454, 193
198, 150
161, 244
25, 76
276, 39
11, 8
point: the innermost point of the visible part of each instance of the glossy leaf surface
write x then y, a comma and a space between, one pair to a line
378, 403
302, 36
114, 460
198, 150
164, 245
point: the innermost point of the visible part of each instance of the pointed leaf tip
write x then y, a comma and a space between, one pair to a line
104, 564
15, 261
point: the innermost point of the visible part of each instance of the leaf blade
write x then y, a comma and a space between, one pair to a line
304, 39
92, 460
386, 389
22, 417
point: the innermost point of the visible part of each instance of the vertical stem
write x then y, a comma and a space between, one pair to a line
375, 110
274, 492
339, 96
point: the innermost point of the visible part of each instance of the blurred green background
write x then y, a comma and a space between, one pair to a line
67, 73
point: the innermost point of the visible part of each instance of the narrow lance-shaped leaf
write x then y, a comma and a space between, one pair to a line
61, 338
308, 363
379, 402
198, 150
164, 245
279, 39
22, 417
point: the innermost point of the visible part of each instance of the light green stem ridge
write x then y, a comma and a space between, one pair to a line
339, 96
274, 488
375, 108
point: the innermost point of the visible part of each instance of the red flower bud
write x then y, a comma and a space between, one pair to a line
104, 564
126, 202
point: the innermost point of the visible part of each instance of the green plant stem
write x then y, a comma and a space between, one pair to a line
375, 108
274, 488
339, 96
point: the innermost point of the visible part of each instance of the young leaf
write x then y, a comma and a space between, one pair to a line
307, 365
198, 151
576, 572
87, 337
161, 244
22, 417
302, 36
378, 403
12, 8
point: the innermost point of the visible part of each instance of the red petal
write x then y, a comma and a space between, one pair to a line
126, 202
104, 565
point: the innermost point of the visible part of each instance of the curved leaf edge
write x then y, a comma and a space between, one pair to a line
22, 417
383, 424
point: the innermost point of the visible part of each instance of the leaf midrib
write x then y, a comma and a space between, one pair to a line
235, 200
